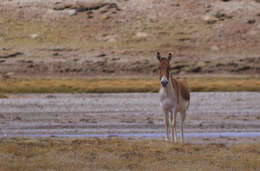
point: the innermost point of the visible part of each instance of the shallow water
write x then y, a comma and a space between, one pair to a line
127, 115
145, 135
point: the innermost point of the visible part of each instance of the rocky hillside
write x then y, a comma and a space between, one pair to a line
120, 37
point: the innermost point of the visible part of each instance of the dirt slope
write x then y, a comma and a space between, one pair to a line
120, 37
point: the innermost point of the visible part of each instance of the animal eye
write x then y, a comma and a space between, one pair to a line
159, 68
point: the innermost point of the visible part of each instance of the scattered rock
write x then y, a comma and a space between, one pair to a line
115, 59
149, 120
100, 63
84, 120
114, 12
11, 55
56, 54
108, 70
219, 64
17, 118
222, 16
103, 11
232, 63
196, 69
101, 55
184, 39
30, 66
64, 5
34, 36
243, 68
209, 19
67, 70
6, 49
84, 6
59, 49
72, 12
251, 21
26, 61
141, 34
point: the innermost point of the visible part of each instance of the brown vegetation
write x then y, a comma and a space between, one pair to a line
115, 154
119, 85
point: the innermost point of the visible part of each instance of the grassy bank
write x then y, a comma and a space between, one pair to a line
116, 154
93, 85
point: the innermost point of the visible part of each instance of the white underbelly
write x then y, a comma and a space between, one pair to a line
168, 104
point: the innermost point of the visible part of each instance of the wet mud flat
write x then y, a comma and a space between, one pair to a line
214, 116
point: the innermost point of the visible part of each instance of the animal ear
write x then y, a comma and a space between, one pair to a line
158, 55
169, 56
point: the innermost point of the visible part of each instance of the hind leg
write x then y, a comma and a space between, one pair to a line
172, 127
183, 115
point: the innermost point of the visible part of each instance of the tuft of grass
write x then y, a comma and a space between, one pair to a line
120, 85
122, 154
2, 96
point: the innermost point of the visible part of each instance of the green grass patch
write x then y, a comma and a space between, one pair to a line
120, 85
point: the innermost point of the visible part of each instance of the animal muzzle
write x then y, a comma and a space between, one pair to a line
164, 82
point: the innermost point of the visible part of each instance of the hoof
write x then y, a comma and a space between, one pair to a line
166, 139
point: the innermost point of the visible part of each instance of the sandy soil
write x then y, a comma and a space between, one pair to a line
115, 37
236, 115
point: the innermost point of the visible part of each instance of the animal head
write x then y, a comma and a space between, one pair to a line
164, 68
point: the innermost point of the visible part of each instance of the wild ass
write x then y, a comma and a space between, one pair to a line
174, 97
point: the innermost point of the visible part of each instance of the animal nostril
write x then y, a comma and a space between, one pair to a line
164, 82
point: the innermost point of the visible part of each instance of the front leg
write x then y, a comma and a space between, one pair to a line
175, 126
166, 119
172, 127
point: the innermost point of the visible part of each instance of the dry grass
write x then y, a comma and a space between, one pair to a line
123, 154
2, 96
224, 84
94, 85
